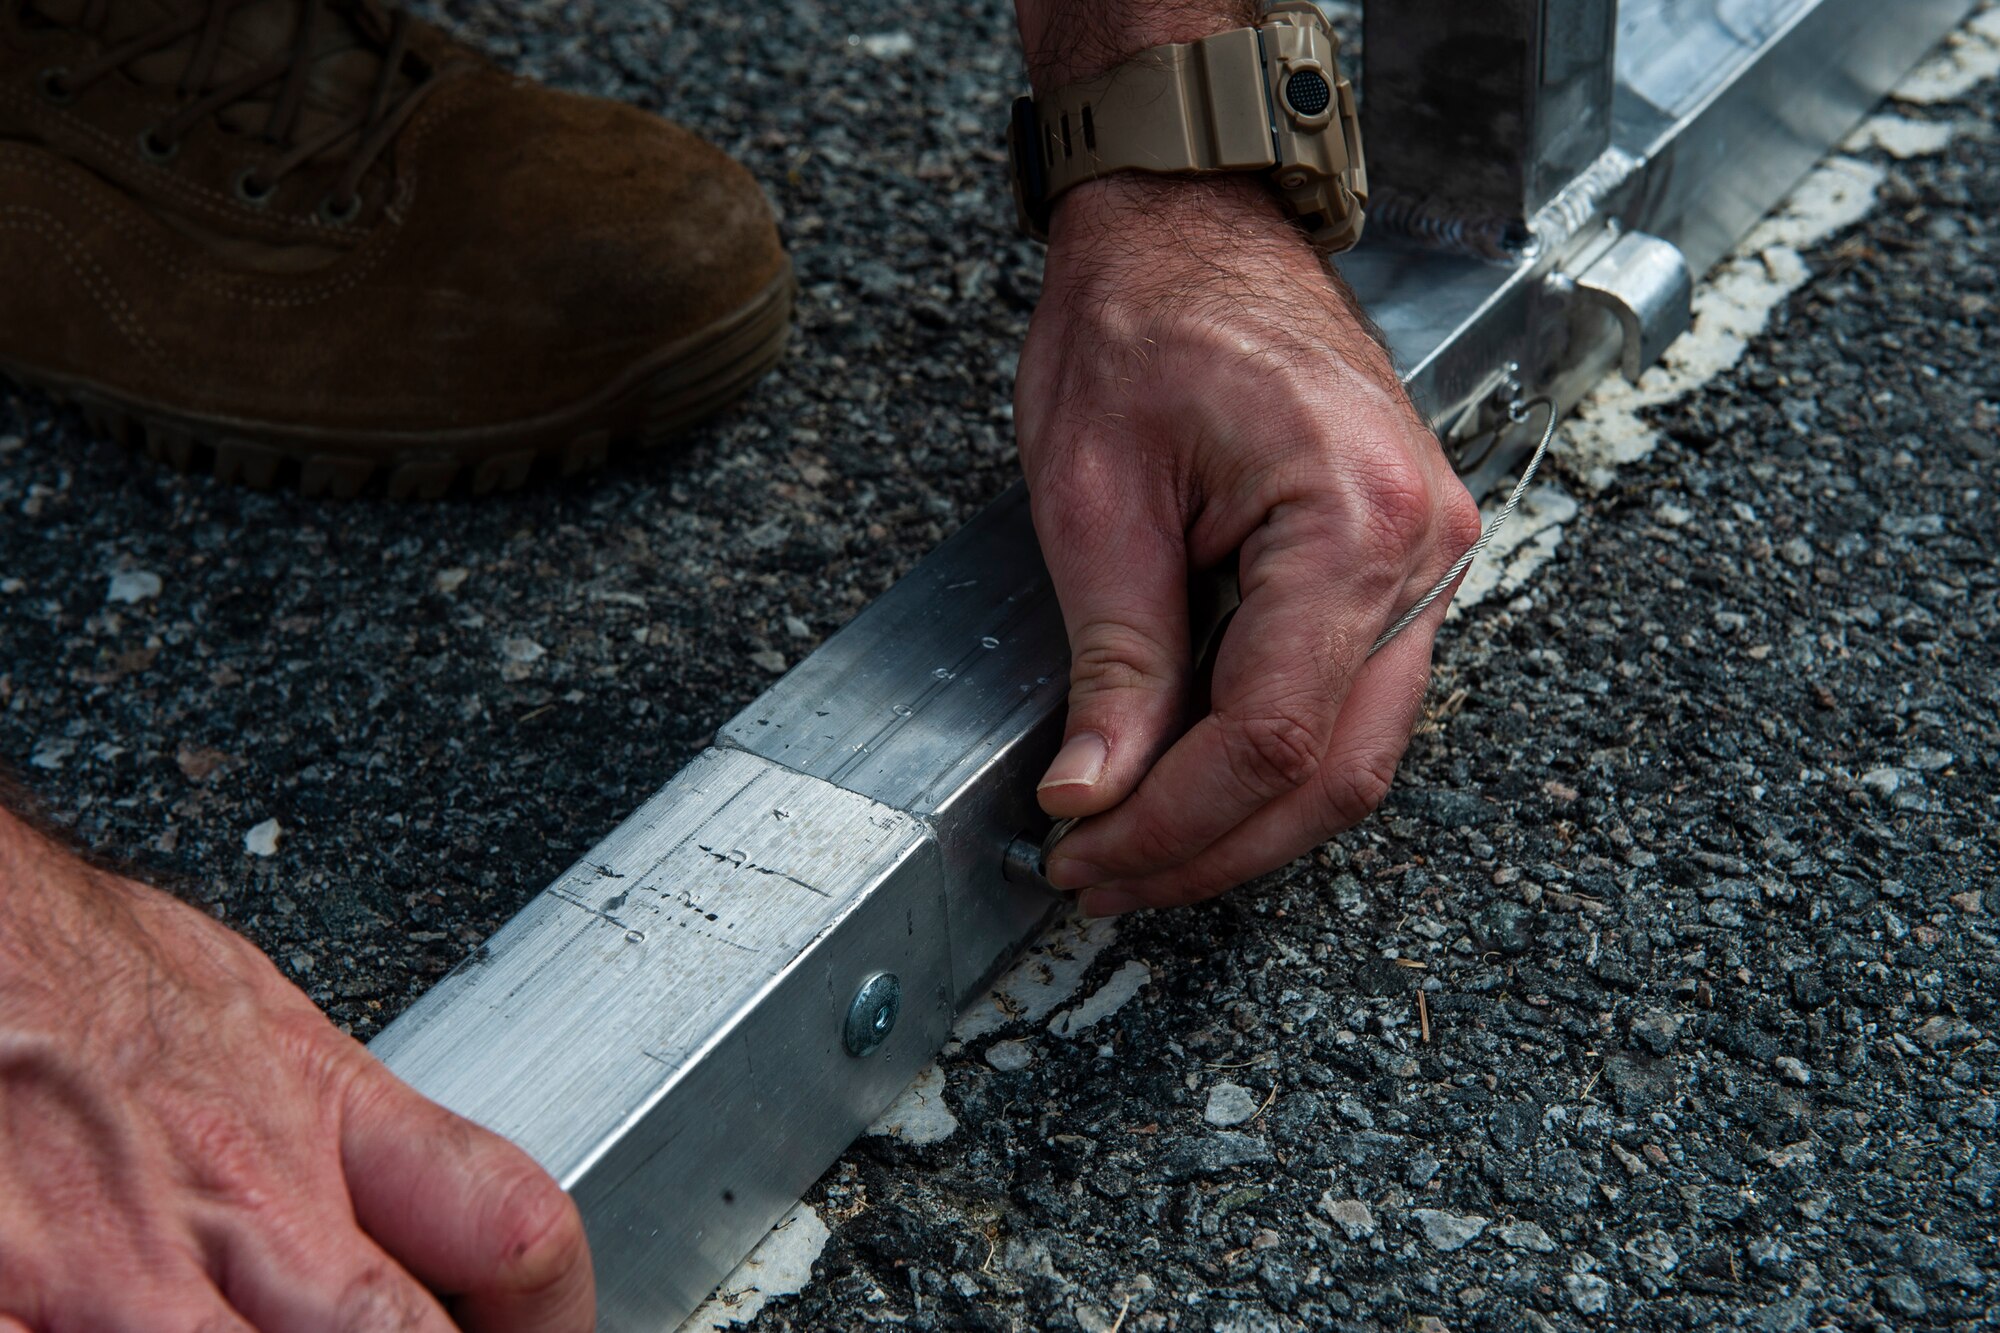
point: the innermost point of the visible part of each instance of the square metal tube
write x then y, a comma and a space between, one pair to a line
1485, 109
662, 1028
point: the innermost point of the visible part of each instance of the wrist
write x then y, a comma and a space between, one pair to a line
1067, 41
1233, 213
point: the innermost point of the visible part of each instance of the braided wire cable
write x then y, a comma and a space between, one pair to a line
1460, 565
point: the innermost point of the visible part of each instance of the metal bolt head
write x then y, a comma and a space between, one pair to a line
871, 1015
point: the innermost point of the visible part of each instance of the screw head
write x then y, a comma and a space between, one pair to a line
872, 1013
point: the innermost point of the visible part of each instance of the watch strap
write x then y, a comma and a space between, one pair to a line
1189, 107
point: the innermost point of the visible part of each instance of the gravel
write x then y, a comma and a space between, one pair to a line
1713, 801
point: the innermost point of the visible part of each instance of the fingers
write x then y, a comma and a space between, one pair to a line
1284, 669
1320, 581
1370, 737
331, 1281
1120, 572
183, 1302
466, 1212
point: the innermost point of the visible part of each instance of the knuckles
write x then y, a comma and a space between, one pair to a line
1361, 786
1462, 520
1397, 509
378, 1300
1270, 754
1117, 657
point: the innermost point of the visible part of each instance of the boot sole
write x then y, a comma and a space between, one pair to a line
652, 404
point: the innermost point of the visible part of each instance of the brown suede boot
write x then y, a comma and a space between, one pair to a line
317, 241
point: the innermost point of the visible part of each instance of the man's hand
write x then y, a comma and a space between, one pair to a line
1194, 385
187, 1144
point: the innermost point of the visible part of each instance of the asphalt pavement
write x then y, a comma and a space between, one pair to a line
1661, 992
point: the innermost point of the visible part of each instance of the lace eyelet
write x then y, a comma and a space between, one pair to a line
155, 149
50, 82
251, 190
333, 215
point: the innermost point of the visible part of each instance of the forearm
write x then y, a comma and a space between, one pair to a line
1069, 40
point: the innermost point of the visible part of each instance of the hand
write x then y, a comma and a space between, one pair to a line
1194, 384
187, 1144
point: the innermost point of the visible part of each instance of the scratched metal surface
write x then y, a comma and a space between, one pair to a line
661, 1028
643, 953
909, 700
944, 698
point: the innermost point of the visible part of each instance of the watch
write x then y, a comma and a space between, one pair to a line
1269, 99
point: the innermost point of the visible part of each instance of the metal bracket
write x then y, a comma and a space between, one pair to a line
667, 1029
1644, 282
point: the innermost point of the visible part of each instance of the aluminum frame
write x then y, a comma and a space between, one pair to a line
662, 1028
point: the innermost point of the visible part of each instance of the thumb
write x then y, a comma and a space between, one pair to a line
468, 1213
1121, 578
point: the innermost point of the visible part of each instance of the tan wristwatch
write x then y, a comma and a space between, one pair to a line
1269, 99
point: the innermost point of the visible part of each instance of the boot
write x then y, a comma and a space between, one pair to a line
316, 242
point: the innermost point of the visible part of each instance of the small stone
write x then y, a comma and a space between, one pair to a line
522, 651
1213, 1155
1514, 1125
797, 628
1792, 1154
888, 45
132, 586
449, 581
1588, 1292
1941, 1031
1797, 552
771, 660
1448, 1231
1229, 1104
1901, 1293
1504, 927
1654, 1251
1354, 1111
1771, 1252
198, 763
1673, 516
52, 754
1526, 1236
1656, 1031
263, 839
1792, 1070
1971, 902
1009, 1056
1884, 782
1352, 1216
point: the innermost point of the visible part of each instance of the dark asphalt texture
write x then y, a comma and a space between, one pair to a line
1698, 847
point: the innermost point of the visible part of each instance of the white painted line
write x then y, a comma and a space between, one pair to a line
780, 1266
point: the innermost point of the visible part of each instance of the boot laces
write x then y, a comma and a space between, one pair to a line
365, 131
